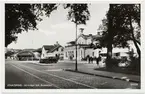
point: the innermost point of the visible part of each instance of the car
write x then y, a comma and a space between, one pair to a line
49, 60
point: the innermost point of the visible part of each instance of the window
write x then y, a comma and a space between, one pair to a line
66, 54
117, 54
93, 54
98, 33
81, 53
73, 53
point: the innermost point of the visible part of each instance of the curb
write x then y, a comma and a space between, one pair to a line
41, 64
84, 62
123, 79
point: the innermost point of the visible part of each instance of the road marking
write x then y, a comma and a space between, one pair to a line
54, 70
103, 83
60, 77
34, 76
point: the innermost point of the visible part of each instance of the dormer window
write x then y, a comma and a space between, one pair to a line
81, 31
98, 33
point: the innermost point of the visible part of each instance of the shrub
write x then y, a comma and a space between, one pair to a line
134, 64
115, 62
49, 60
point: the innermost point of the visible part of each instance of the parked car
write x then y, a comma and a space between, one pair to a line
51, 58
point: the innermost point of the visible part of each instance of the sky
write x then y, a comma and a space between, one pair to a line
58, 28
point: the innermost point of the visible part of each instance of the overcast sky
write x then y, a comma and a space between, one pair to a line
58, 28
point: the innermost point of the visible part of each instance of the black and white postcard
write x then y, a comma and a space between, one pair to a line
66, 45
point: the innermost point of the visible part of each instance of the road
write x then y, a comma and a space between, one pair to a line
26, 75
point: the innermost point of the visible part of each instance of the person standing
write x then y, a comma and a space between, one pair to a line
88, 59
91, 59
98, 57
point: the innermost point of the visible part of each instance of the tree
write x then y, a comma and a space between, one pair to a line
127, 19
23, 17
122, 20
110, 36
78, 14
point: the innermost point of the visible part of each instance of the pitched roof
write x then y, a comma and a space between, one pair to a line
91, 36
94, 37
51, 48
71, 42
48, 47
25, 53
55, 48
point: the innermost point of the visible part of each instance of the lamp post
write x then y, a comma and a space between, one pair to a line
76, 65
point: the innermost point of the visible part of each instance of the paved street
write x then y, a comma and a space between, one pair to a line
23, 74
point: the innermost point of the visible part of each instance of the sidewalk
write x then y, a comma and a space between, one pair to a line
71, 61
89, 69
41, 64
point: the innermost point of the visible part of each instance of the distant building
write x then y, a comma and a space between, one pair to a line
58, 51
45, 50
86, 45
55, 50
89, 45
25, 55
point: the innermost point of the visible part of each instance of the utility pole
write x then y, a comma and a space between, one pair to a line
76, 64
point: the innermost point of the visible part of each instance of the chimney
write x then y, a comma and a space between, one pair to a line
98, 33
81, 31
90, 35
57, 43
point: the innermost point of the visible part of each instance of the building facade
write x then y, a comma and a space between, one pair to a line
86, 46
52, 50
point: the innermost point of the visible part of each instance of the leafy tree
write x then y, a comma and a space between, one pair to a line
78, 14
110, 35
103, 28
127, 18
23, 17
8, 53
123, 24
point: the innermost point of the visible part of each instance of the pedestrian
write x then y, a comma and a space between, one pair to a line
88, 58
91, 59
98, 58
97, 61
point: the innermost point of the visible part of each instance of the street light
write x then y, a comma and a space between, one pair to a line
76, 65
